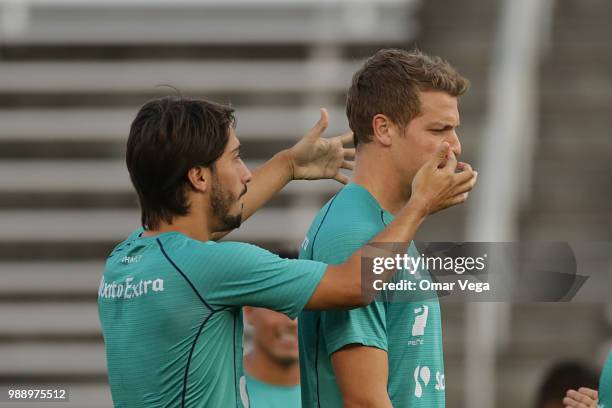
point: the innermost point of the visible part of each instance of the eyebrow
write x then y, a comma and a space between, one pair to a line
236, 149
444, 124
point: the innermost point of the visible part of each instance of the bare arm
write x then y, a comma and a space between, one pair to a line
268, 179
312, 158
362, 388
433, 189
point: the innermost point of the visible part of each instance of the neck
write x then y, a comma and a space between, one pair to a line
262, 367
374, 172
194, 225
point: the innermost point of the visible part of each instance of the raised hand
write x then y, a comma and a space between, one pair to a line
437, 185
315, 157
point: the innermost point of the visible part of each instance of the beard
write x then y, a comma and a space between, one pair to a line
286, 361
221, 201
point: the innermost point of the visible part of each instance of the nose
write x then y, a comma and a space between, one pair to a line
454, 143
246, 175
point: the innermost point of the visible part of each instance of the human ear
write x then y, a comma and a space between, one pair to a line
199, 178
381, 125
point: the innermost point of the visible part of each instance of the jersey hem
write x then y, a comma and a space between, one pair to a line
362, 340
320, 272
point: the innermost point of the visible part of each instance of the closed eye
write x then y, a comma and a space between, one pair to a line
444, 129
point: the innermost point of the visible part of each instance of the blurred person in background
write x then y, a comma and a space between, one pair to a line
401, 107
568, 384
271, 368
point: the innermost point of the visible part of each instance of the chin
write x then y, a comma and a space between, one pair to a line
286, 360
234, 221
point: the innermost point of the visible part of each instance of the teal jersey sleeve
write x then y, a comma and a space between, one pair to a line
251, 276
365, 326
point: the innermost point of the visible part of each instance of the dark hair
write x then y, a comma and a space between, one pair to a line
168, 137
389, 83
562, 377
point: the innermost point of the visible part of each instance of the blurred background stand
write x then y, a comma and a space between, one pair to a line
73, 74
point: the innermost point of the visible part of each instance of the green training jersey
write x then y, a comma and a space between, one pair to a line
170, 309
605, 384
409, 331
264, 395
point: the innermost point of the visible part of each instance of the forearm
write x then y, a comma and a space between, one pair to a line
268, 179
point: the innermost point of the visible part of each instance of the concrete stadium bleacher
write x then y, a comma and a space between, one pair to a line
73, 74
195, 22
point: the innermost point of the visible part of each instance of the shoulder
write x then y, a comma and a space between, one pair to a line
345, 223
223, 253
354, 201
125, 243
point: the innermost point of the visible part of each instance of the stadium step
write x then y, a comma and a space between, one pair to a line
112, 125
55, 360
189, 22
40, 280
110, 176
541, 226
585, 10
51, 321
50, 226
188, 76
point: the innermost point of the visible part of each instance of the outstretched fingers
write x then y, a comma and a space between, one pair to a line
317, 130
465, 181
346, 138
348, 165
349, 153
341, 178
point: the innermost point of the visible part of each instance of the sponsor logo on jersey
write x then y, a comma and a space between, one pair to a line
418, 327
131, 259
440, 381
129, 289
422, 377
